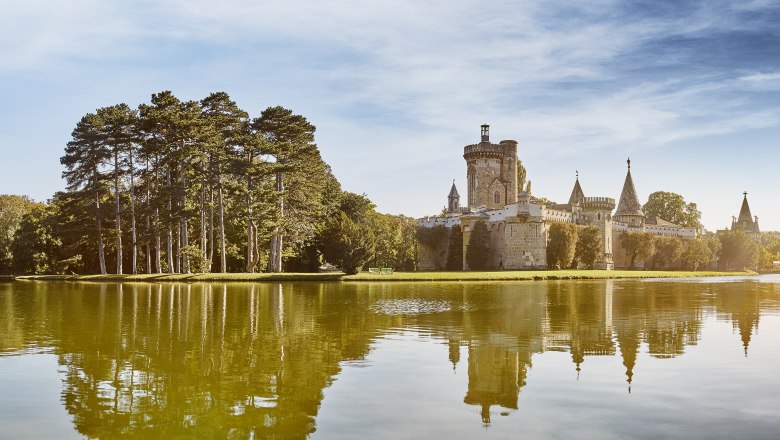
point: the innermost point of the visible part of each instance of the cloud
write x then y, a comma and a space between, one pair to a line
417, 78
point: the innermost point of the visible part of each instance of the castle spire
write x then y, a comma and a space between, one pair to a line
629, 201
746, 220
453, 199
576, 193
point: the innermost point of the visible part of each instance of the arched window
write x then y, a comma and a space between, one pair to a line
497, 197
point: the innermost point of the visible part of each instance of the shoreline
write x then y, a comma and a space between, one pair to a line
543, 275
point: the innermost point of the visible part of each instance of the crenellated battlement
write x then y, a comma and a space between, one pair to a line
601, 203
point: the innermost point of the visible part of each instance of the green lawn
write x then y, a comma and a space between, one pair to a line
504, 275
508, 275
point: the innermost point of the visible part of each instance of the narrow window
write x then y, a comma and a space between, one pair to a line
496, 197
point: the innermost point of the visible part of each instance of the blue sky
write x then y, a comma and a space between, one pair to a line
689, 90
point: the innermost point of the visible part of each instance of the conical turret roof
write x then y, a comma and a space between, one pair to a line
453, 191
745, 220
576, 194
629, 201
744, 213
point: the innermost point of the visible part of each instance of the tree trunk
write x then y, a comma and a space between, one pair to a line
169, 238
251, 230
101, 253
148, 222
276, 240
157, 239
221, 219
184, 224
177, 261
203, 221
132, 215
117, 213
211, 228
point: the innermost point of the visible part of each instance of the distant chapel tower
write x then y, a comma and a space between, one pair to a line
491, 172
746, 221
453, 200
629, 210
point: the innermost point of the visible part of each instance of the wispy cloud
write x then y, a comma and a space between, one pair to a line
418, 77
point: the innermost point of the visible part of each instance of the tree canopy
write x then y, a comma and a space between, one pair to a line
561, 245
673, 208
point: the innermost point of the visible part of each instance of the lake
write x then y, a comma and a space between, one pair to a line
559, 359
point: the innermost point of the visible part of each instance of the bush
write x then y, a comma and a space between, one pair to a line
478, 254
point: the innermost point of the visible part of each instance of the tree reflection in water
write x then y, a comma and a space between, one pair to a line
240, 360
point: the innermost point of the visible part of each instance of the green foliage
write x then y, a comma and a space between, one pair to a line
589, 246
12, 210
672, 207
697, 253
430, 237
455, 251
738, 250
478, 252
668, 249
522, 174
350, 244
561, 245
35, 246
198, 261
395, 244
638, 245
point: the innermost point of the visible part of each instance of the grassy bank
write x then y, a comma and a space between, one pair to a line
537, 275
504, 275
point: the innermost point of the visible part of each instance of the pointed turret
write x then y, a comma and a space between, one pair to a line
746, 221
453, 200
629, 209
577, 195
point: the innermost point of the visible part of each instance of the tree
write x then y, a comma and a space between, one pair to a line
697, 253
291, 138
672, 207
589, 246
350, 244
638, 245
118, 125
561, 245
85, 156
35, 244
455, 252
738, 252
521, 175
12, 210
478, 252
668, 249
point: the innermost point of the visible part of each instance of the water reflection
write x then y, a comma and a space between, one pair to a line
240, 360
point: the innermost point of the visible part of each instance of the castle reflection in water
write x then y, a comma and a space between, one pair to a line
219, 360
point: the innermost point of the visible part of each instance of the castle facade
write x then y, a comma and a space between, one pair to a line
519, 227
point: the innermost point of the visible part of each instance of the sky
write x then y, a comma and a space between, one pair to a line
689, 90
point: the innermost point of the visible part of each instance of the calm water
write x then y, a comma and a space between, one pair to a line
607, 359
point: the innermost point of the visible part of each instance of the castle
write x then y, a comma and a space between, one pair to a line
518, 226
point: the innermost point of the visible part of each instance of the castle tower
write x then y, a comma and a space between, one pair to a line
491, 172
629, 209
745, 221
453, 200
598, 212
